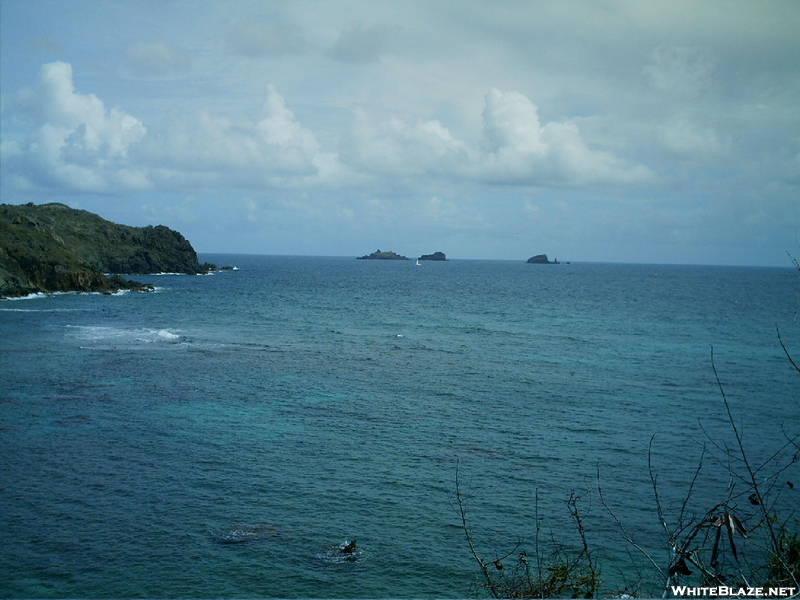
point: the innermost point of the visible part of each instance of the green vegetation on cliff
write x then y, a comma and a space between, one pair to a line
55, 248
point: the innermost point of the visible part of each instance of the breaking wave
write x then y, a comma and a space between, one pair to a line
115, 337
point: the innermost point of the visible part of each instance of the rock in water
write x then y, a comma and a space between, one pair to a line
346, 552
541, 259
388, 255
434, 256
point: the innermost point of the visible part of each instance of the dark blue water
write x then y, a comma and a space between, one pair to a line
300, 402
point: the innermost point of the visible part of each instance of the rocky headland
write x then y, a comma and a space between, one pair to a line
378, 255
55, 248
434, 256
541, 259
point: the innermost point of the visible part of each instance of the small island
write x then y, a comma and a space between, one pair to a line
541, 259
55, 248
378, 255
434, 256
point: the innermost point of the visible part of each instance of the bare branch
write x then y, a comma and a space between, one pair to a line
785, 350
738, 435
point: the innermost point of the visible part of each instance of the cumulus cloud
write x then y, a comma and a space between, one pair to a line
274, 150
516, 149
154, 61
522, 150
359, 44
280, 128
511, 122
78, 142
395, 147
260, 39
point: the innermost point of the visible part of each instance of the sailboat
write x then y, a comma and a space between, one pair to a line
419, 264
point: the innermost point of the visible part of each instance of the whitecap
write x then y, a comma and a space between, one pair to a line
38, 295
103, 336
29, 296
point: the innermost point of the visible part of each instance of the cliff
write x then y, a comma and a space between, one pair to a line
55, 248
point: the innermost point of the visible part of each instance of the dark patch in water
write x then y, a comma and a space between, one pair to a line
346, 552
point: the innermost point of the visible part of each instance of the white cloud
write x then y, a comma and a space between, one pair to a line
394, 147
516, 149
154, 61
522, 150
280, 128
511, 124
78, 143
271, 151
82, 145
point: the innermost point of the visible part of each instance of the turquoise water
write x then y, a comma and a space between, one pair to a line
297, 403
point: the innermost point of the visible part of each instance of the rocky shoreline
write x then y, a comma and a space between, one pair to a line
55, 248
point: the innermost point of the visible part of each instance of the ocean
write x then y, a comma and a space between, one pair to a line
224, 436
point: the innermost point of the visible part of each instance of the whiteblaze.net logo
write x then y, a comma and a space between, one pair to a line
685, 591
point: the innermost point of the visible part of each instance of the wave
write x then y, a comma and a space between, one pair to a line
33, 296
39, 295
112, 337
168, 335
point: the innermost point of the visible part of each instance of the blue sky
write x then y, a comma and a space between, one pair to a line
613, 130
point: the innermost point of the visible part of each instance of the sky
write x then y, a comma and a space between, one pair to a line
596, 130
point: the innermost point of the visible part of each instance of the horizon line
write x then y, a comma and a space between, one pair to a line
524, 260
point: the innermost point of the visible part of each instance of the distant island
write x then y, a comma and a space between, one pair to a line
55, 248
378, 255
541, 259
434, 256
